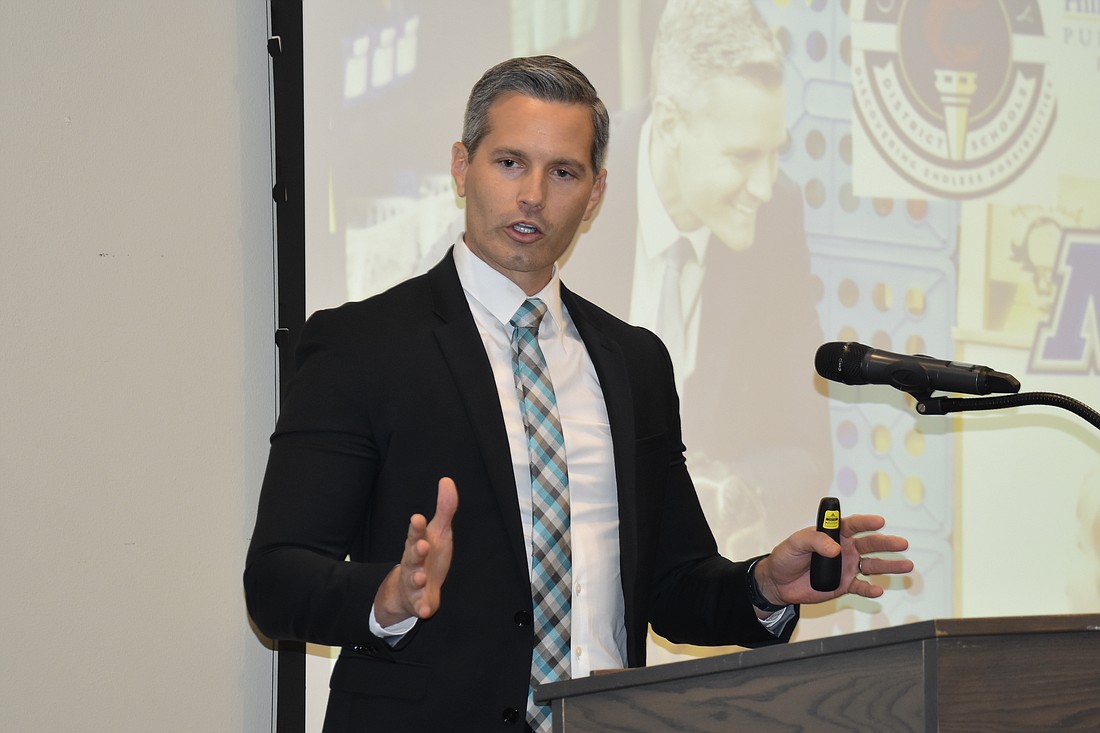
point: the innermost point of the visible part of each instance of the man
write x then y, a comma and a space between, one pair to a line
698, 165
414, 398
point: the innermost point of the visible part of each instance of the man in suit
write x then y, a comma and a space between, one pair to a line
698, 164
408, 400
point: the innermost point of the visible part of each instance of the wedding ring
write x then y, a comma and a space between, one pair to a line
859, 567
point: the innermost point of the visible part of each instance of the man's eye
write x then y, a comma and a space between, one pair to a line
508, 163
563, 173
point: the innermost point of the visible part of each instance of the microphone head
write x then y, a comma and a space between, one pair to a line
841, 362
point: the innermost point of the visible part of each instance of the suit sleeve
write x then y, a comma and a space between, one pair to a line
314, 500
701, 597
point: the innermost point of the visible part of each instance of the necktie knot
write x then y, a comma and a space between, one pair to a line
529, 314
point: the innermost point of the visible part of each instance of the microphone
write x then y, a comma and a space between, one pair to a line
853, 363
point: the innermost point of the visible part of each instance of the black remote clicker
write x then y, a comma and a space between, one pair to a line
825, 571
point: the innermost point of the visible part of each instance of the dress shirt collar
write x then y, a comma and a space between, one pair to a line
496, 293
659, 232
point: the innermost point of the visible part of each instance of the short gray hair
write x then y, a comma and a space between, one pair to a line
701, 40
547, 78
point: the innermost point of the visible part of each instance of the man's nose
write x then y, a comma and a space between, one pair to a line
532, 192
762, 178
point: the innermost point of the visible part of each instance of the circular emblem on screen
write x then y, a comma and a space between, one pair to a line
953, 94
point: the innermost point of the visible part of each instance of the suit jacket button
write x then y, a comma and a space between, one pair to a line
510, 715
522, 618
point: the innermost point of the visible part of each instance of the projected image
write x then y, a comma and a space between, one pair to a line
704, 228
917, 177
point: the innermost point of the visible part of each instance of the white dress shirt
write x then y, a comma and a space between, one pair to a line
597, 616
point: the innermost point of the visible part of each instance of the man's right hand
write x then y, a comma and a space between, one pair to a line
413, 587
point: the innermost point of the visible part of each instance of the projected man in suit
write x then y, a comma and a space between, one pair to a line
406, 404
697, 169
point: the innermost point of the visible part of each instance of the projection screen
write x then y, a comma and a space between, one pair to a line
937, 192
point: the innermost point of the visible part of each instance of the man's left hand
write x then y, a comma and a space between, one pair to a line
784, 576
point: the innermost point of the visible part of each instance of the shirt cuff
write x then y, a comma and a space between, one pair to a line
776, 624
392, 634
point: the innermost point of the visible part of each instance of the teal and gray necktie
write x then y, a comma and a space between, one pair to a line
550, 552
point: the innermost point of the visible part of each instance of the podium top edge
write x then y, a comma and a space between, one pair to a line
778, 653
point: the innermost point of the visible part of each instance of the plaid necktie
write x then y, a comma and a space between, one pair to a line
550, 556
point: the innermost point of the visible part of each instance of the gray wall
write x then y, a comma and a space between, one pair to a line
137, 374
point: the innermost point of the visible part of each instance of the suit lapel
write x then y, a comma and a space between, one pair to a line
460, 344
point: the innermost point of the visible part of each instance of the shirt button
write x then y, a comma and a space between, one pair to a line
577, 589
578, 651
522, 618
510, 715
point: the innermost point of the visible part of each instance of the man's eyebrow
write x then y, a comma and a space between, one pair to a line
507, 153
570, 163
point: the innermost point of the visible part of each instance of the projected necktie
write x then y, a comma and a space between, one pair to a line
670, 314
550, 555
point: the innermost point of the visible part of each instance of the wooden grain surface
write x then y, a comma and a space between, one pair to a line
973, 675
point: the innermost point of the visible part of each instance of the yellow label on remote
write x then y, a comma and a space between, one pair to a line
831, 520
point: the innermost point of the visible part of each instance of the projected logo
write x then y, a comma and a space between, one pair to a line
1070, 342
954, 95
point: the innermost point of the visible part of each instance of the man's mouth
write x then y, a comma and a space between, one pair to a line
525, 228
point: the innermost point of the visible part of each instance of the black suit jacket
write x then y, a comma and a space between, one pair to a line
391, 394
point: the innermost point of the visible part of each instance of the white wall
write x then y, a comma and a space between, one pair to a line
136, 363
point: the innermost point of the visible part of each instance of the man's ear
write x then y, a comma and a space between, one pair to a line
667, 122
460, 162
597, 194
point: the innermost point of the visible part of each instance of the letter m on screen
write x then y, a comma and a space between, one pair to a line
1069, 343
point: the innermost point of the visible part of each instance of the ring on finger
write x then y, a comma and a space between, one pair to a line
859, 567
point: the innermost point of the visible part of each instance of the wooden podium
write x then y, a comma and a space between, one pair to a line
1037, 673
